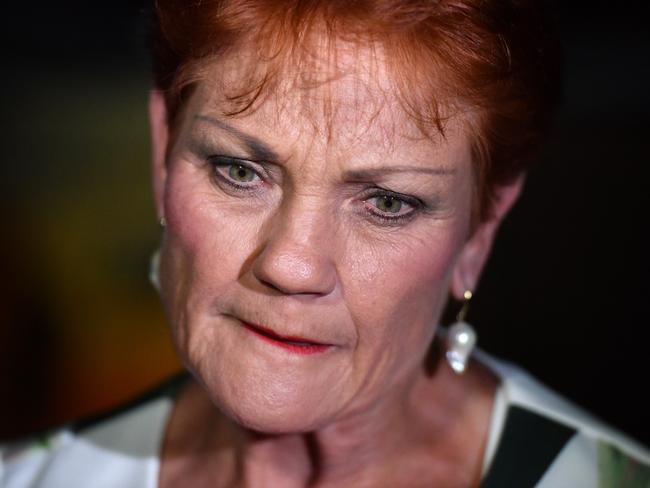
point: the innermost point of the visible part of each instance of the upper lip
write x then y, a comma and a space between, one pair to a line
281, 337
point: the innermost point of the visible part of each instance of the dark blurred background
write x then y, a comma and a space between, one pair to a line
564, 295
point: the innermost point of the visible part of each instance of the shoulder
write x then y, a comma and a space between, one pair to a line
559, 443
118, 449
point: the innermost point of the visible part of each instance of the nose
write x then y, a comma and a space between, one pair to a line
296, 256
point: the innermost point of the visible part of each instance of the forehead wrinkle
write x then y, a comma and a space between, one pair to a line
329, 76
354, 106
355, 94
317, 58
367, 110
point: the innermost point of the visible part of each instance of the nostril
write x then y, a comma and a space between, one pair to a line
269, 284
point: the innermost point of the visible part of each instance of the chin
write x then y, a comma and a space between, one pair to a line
272, 408
267, 389
277, 422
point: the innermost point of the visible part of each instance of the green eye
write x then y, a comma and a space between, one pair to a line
388, 204
391, 208
241, 173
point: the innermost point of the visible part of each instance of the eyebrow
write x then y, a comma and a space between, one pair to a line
258, 149
363, 174
261, 151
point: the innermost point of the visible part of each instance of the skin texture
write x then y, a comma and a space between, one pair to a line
308, 246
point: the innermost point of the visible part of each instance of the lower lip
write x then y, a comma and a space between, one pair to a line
293, 346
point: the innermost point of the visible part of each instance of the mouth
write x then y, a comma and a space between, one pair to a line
298, 345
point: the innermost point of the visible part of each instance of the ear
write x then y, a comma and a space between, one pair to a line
159, 132
476, 250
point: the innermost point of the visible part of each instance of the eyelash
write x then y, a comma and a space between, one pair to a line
416, 204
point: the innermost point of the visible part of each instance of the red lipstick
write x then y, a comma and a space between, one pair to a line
299, 345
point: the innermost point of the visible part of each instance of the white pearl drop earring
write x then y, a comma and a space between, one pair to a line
461, 339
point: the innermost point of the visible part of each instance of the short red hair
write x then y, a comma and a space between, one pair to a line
495, 57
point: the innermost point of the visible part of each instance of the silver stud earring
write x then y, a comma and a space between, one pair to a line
461, 339
154, 270
162, 221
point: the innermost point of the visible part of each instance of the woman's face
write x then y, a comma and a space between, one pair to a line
310, 245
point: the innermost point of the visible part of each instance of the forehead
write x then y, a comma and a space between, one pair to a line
338, 96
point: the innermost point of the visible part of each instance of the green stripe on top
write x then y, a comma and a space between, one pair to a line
618, 470
529, 445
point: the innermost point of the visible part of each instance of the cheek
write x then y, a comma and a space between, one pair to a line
204, 249
399, 287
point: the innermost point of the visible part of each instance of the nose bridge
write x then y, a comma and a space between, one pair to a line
303, 218
296, 255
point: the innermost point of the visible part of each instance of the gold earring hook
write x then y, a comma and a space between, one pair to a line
463, 311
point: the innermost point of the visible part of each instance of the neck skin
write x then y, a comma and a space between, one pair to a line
433, 431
